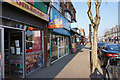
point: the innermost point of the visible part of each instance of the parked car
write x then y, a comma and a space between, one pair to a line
113, 69
108, 51
99, 45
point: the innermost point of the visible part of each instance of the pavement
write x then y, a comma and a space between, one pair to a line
75, 65
78, 67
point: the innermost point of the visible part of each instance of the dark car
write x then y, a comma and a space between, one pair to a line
99, 45
113, 69
108, 51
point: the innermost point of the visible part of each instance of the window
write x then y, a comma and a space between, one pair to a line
68, 16
34, 53
114, 48
56, 4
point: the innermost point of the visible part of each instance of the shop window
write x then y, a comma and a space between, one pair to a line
34, 53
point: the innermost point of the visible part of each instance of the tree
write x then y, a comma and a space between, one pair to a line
95, 23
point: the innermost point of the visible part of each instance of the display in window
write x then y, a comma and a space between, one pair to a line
34, 54
12, 50
17, 50
17, 43
13, 61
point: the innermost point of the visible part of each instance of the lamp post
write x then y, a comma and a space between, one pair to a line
118, 34
90, 33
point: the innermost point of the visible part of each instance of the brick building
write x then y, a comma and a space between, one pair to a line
62, 14
67, 9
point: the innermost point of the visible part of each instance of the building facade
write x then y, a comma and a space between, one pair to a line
59, 29
23, 35
31, 36
112, 34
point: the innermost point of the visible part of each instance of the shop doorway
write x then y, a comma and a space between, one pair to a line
61, 46
66, 45
13, 52
1, 53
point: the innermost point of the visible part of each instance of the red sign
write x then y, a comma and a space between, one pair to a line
30, 28
37, 38
55, 26
31, 1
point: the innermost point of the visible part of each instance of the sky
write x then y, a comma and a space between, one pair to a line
108, 13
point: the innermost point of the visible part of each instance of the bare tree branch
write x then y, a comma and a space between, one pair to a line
99, 3
97, 17
90, 13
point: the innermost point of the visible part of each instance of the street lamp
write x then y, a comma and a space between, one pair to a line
90, 33
118, 34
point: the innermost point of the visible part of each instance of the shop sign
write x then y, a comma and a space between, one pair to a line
58, 21
28, 8
55, 23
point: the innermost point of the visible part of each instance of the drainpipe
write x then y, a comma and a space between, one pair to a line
48, 62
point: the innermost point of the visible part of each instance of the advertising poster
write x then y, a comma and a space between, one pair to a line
12, 50
17, 50
34, 56
17, 43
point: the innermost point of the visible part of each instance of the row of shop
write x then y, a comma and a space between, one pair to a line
27, 42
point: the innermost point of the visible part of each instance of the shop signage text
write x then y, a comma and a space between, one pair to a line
28, 8
58, 21
55, 23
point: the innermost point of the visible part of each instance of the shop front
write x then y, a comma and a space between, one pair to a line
75, 40
59, 44
22, 41
59, 36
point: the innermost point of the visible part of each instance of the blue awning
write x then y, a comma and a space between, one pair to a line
62, 31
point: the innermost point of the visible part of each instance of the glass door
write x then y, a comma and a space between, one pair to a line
16, 54
66, 45
61, 46
1, 53
14, 51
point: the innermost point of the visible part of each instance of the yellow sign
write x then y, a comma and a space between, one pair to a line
56, 23
28, 8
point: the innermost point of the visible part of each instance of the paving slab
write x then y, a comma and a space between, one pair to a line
78, 67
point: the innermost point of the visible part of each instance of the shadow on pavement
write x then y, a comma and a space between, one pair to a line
54, 69
96, 75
